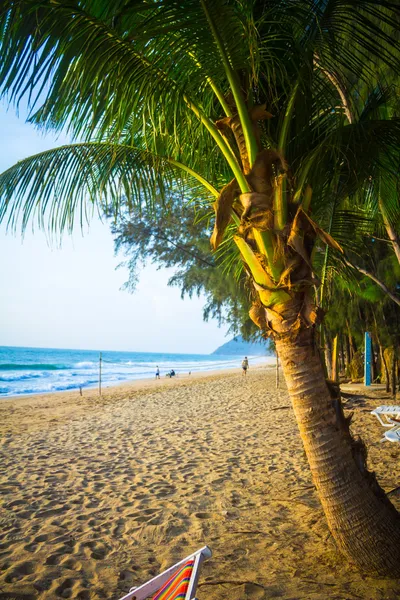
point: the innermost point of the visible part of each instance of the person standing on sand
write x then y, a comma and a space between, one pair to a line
245, 366
157, 372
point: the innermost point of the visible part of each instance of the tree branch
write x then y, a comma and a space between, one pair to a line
339, 88
390, 230
375, 280
157, 232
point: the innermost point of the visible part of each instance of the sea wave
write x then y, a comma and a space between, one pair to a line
46, 388
37, 371
15, 377
31, 367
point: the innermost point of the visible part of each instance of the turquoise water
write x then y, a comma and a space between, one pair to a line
39, 370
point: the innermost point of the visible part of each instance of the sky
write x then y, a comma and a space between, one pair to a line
70, 297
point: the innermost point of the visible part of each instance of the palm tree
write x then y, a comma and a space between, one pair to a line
243, 103
382, 197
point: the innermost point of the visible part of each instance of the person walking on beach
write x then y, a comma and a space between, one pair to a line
157, 372
245, 366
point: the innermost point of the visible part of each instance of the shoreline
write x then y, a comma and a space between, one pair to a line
131, 383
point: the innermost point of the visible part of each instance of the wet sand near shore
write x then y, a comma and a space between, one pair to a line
98, 494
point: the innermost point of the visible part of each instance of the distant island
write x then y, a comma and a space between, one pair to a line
239, 346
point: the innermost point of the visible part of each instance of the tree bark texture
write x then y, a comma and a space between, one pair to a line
353, 348
335, 360
361, 519
328, 357
385, 369
342, 357
346, 353
394, 368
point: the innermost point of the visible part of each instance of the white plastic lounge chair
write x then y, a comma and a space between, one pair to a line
179, 582
392, 435
388, 416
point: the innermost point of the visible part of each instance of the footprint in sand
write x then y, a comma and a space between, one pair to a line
41, 538
77, 500
96, 550
15, 503
203, 515
60, 551
71, 563
51, 512
253, 591
24, 514
119, 529
65, 589
31, 547
5, 549
54, 559
19, 571
44, 584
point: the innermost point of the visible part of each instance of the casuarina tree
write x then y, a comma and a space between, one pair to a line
253, 106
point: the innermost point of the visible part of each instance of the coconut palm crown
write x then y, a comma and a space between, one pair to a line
277, 113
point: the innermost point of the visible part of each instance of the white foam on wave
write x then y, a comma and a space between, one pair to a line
85, 373
21, 376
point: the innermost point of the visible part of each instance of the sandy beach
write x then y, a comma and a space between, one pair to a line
100, 494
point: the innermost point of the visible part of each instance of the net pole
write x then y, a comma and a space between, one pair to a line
100, 361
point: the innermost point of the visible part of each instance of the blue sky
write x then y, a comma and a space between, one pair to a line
70, 297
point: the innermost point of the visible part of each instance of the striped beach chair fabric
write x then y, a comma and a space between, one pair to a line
176, 586
179, 582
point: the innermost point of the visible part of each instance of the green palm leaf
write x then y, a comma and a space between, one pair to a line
98, 75
56, 185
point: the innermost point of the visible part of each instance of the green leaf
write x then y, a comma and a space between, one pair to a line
59, 185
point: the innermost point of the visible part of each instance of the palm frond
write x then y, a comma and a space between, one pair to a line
56, 185
351, 156
355, 36
99, 77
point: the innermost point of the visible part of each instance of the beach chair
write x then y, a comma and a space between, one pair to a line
388, 416
392, 435
179, 582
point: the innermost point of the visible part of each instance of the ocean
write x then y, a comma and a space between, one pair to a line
40, 370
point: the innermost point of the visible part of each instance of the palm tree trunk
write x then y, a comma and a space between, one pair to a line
342, 357
394, 368
398, 377
352, 345
385, 366
363, 522
328, 357
347, 353
381, 364
335, 363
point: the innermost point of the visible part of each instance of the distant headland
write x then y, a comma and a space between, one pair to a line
239, 346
